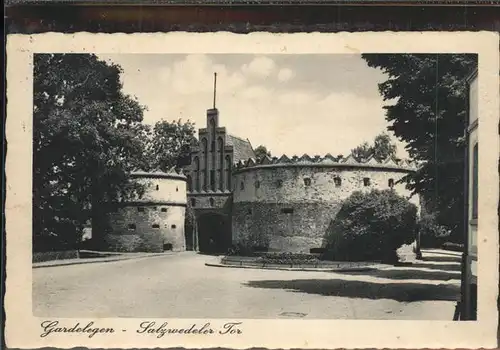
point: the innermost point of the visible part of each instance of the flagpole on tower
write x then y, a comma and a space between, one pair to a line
215, 87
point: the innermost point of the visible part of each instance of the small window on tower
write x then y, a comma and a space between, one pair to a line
173, 226
193, 202
157, 187
164, 210
140, 209
257, 184
287, 210
155, 226
242, 185
211, 201
337, 181
131, 227
391, 183
366, 181
279, 183
307, 181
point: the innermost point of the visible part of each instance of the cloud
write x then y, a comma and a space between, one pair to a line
289, 117
285, 74
260, 66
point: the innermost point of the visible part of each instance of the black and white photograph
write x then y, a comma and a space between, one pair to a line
255, 186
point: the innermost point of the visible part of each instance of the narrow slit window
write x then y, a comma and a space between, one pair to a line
157, 187
287, 210
257, 184
391, 183
279, 183
193, 202
242, 185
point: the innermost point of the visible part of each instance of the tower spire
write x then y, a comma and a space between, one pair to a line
215, 87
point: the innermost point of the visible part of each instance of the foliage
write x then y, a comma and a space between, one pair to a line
371, 227
381, 149
432, 234
87, 136
427, 96
287, 258
261, 152
170, 144
362, 152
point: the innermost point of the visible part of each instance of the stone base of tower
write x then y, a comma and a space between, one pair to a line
283, 227
146, 228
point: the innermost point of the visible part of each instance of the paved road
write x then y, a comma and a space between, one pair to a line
181, 286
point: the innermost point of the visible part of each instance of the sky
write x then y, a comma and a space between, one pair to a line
292, 104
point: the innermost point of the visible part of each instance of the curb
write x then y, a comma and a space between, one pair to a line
354, 269
92, 261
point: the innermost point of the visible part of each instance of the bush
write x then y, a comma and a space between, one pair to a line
432, 235
371, 227
288, 258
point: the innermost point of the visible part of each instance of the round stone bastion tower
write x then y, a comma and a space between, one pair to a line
155, 221
288, 204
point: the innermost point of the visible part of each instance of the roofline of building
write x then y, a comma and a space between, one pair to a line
159, 176
380, 167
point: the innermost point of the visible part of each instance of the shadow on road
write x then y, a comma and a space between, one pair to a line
442, 267
403, 292
402, 274
449, 258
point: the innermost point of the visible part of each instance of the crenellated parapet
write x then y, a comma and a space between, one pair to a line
328, 160
173, 173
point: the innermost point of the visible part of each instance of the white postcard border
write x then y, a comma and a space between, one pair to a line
23, 329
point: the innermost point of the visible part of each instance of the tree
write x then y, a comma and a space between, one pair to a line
362, 152
261, 151
427, 109
87, 137
170, 144
381, 149
371, 226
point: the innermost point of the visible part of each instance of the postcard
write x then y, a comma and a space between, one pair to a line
264, 190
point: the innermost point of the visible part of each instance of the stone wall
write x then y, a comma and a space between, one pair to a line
146, 228
153, 222
291, 226
164, 190
210, 200
289, 207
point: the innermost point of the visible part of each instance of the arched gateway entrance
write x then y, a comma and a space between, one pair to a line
214, 233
